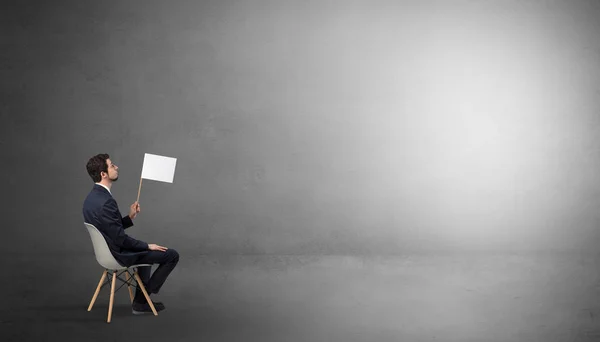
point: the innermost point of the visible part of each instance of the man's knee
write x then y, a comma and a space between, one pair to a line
173, 255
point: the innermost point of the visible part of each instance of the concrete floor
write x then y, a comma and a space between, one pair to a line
469, 297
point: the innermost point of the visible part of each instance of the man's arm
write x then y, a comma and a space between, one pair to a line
126, 221
114, 228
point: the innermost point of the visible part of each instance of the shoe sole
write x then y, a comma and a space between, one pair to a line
141, 312
135, 312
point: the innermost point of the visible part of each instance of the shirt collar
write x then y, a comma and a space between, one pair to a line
105, 187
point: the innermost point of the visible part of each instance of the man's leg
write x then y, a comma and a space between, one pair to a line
167, 261
144, 273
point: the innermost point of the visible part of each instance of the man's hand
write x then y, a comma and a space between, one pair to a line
155, 247
134, 209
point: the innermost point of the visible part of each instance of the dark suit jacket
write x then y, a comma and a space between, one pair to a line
101, 210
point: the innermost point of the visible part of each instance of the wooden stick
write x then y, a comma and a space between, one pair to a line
140, 189
129, 285
141, 285
97, 290
112, 296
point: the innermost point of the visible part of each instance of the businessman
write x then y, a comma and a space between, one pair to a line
101, 210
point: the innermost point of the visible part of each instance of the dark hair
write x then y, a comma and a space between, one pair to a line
97, 164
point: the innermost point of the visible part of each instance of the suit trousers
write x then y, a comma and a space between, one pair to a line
167, 261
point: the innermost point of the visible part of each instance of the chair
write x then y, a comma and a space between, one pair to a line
110, 264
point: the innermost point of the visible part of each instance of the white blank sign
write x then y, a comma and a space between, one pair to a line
158, 168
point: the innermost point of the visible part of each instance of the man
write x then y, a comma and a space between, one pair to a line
101, 210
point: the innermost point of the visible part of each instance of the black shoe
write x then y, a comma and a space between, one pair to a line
142, 300
159, 306
142, 308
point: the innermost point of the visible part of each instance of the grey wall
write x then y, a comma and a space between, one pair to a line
307, 127
347, 170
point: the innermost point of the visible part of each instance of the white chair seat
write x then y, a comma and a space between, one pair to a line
102, 252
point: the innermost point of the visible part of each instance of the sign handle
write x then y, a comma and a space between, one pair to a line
140, 189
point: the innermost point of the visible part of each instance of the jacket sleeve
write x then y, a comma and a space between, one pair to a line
126, 221
114, 228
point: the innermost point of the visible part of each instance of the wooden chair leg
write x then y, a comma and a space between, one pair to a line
141, 285
128, 285
112, 295
97, 290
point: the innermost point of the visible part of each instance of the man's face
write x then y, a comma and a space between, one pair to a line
113, 171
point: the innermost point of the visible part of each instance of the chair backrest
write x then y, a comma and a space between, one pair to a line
103, 255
